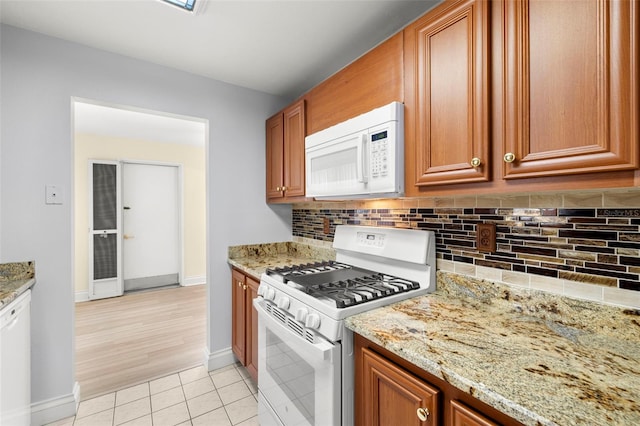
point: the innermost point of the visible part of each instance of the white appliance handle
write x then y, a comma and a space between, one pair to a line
321, 351
363, 158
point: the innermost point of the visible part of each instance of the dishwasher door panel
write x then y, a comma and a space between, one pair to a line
15, 362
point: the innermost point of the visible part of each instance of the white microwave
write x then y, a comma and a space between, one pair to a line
362, 157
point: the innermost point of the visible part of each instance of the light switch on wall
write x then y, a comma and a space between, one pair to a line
53, 194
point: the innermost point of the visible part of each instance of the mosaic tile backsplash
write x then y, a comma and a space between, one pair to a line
589, 245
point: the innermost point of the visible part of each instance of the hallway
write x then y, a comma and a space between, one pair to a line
124, 341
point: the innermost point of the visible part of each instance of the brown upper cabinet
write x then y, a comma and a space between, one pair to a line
570, 87
447, 95
373, 80
285, 154
500, 96
561, 104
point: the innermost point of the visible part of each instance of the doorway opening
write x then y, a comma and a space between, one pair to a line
140, 229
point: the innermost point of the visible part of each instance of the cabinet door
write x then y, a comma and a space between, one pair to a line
238, 290
252, 328
275, 155
392, 396
570, 86
447, 83
294, 133
461, 415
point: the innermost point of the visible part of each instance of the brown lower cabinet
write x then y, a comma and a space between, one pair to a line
244, 323
391, 391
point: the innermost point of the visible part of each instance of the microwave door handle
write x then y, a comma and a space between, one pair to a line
363, 176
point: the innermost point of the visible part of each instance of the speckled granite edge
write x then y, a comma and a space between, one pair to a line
15, 279
542, 359
254, 259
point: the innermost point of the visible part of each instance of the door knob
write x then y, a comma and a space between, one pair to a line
509, 157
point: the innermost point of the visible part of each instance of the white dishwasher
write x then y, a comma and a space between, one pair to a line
15, 362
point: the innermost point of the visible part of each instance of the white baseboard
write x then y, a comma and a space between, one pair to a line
82, 296
195, 280
55, 409
218, 359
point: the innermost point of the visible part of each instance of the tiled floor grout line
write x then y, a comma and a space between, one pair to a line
110, 409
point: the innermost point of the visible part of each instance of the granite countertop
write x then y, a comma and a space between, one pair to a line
254, 259
15, 279
539, 358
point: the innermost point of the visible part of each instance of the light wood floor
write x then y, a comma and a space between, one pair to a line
131, 339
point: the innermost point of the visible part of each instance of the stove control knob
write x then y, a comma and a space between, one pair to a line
269, 293
313, 321
301, 314
283, 302
261, 289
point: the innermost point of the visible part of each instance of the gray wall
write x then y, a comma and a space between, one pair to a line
39, 76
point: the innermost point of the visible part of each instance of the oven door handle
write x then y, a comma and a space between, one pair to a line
321, 350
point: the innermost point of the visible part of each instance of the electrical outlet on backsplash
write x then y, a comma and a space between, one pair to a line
575, 245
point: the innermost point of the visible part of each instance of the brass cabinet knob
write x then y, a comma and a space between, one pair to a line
423, 414
244, 287
284, 188
277, 188
475, 162
509, 157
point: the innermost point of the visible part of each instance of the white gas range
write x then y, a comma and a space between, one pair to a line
305, 367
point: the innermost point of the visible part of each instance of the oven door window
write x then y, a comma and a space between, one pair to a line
300, 380
293, 375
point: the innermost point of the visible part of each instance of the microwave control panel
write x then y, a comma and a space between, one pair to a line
379, 154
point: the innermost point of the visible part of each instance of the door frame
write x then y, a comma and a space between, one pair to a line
180, 206
72, 152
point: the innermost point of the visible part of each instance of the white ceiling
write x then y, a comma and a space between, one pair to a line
278, 47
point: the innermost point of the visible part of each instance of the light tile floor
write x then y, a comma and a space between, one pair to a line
193, 397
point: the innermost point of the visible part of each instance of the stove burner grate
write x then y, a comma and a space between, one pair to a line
361, 290
340, 284
307, 269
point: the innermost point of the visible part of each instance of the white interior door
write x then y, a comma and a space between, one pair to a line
105, 244
151, 225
